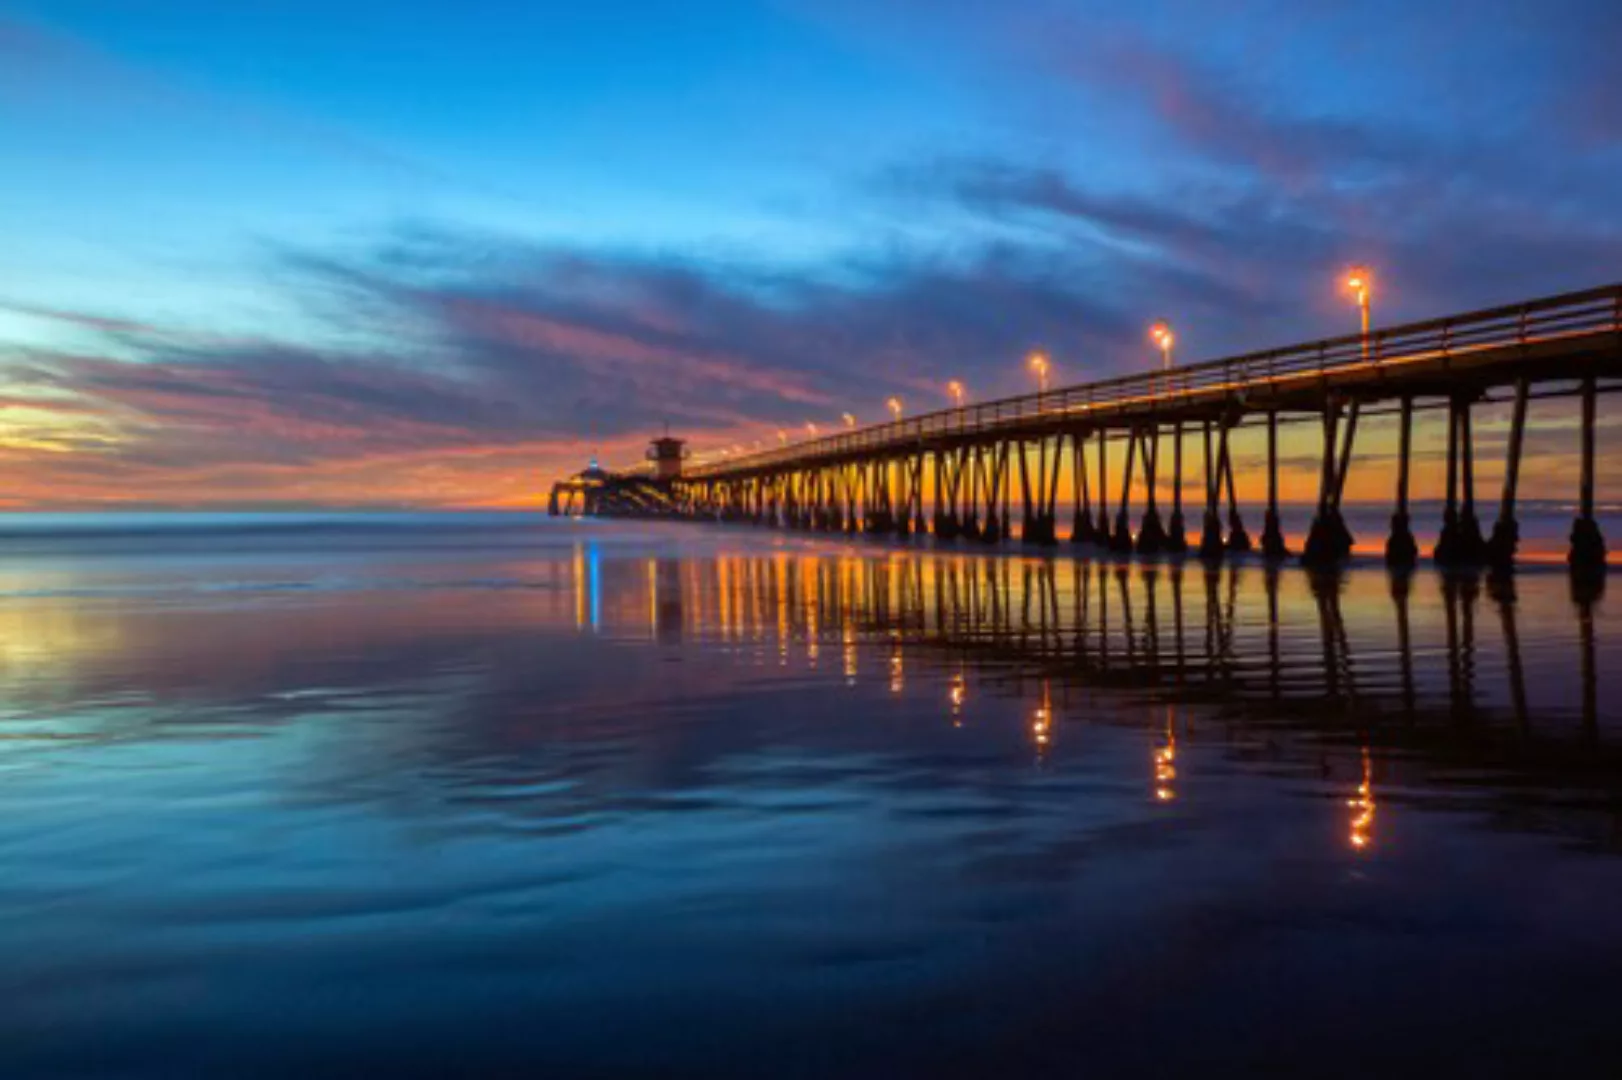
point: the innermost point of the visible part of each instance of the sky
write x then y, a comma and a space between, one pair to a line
280, 253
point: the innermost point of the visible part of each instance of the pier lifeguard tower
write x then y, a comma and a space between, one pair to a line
667, 454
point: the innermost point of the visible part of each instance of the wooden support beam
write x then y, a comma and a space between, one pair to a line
1401, 550
1506, 532
1273, 546
1238, 538
1121, 540
1103, 486
1026, 522
1587, 555
1177, 531
1081, 521
1328, 539
1211, 545
1460, 542
1152, 538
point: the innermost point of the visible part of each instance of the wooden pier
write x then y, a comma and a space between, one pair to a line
953, 472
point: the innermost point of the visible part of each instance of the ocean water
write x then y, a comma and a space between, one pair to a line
497, 795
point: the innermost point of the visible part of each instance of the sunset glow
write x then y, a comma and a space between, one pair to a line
315, 296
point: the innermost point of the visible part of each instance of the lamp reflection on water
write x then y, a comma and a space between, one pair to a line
848, 640
1042, 721
1166, 761
958, 693
1362, 806
588, 586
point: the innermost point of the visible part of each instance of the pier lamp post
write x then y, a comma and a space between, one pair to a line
850, 421
1164, 339
894, 405
1360, 283
811, 428
782, 436
1039, 364
955, 389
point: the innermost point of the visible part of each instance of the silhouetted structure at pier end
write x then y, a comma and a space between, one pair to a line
873, 479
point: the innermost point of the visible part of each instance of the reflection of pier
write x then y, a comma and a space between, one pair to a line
1386, 690
1251, 641
954, 472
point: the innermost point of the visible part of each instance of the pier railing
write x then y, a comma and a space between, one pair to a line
1594, 311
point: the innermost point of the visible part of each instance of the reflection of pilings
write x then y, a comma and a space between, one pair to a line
1401, 585
1180, 670
1326, 596
1016, 621
1337, 646
1502, 590
1103, 622
1121, 574
1151, 616
1459, 594
1270, 576
1584, 596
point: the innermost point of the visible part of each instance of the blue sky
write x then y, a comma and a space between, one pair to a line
423, 252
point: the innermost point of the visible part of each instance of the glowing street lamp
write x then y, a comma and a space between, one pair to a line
782, 436
1164, 339
1039, 363
894, 405
955, 389
1360, 283
811, 427
850, 421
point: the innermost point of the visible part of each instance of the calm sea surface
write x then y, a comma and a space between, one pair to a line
494, 795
